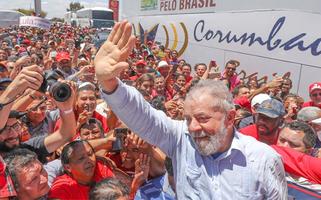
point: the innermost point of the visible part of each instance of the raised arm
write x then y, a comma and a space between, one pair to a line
127, 103
29, 77
68, 123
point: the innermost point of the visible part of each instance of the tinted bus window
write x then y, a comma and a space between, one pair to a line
96, 14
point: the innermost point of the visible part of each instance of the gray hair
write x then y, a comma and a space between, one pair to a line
108, 189
217, 89
18, 159
308, 114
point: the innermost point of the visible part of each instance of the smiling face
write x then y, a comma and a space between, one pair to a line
11, 134
86, 100
315, 96
200, 70
210, 128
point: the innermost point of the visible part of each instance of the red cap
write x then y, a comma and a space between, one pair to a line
243, 102
62, 56
26, 42
22, 49
314, 86
140, 62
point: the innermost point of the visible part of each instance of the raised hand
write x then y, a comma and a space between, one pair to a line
111, 57
142, 166
29, 77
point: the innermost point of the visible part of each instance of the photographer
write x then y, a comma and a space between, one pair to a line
31, 77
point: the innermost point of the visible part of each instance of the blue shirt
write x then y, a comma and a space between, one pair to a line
248, 170
155, 189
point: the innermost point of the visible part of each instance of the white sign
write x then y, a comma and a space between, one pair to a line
265, 42
32, 21
172, 7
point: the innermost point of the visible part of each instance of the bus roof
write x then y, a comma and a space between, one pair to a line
95, 8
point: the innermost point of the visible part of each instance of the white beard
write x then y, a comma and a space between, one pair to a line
213, 144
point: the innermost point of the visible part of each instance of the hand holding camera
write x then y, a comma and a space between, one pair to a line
29, 77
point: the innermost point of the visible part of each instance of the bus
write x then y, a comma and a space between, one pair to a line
97, 17
268, 37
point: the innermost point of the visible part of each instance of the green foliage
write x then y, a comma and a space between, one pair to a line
56, 19
74, 6
30, 12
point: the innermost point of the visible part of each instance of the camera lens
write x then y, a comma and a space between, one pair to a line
60, 91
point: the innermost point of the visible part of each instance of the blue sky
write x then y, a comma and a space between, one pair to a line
54, 8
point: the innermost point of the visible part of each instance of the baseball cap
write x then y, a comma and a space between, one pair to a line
317, 121
26, 42
314, 86
258, 99
271, 108
162, 64
243, 102
5, 80
62, 56
140, 62
82, 60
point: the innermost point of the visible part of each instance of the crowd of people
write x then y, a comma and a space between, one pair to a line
133, 119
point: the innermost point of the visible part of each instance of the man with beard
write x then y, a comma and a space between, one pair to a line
268, 119
64, 65
229, 75
42, 145
211, 160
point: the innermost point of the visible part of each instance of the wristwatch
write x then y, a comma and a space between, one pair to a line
4, 104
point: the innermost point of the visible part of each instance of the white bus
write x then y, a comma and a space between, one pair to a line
97, 17
267, 37
9, 18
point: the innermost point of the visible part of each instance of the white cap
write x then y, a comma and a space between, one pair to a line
162, 64
317, 121
258, 99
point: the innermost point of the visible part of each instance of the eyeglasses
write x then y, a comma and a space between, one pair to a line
316, 94
15, 127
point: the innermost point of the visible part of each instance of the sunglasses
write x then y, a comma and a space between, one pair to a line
316, 94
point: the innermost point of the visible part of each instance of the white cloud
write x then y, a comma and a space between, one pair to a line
54, 8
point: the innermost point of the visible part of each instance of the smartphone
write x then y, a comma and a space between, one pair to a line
120, 134
176, 88
77, 44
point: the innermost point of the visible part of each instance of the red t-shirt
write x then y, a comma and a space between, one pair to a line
65, 187
300, 164
6, 185
310, 103
251, 130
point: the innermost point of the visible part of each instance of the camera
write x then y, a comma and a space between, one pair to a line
59, 91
